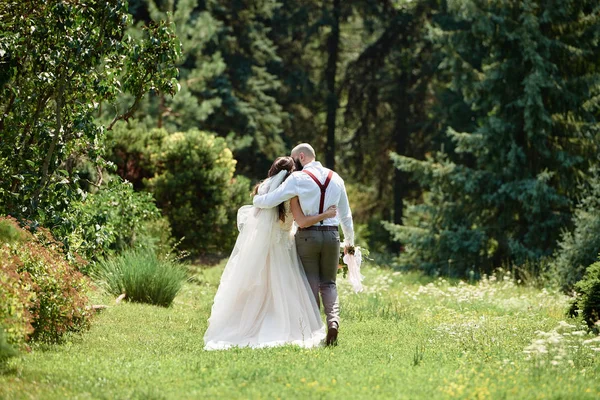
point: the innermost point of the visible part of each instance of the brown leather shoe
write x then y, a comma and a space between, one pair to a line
332, 334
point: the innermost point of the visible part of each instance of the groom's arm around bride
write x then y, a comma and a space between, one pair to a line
318, 246
301, 185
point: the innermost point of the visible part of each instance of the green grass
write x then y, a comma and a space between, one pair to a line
401, 339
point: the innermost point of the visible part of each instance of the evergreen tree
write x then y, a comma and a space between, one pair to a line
390, 89
317, 41
226, 86
299, 32
529, 71
333, 50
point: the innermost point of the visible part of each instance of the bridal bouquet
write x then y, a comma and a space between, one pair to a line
350, 266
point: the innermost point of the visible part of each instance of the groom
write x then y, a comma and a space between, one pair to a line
318, 246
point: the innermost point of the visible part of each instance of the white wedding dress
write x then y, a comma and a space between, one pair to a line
264, 299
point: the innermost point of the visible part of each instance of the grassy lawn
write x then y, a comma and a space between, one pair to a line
406, 337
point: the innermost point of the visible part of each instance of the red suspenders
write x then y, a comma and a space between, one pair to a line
322, 186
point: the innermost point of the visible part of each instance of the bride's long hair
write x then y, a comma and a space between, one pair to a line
280, 164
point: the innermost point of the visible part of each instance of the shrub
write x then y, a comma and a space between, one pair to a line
9, 233
42, 295
111, 220
588, 299
6, 350
579, 248
191, 177
195, 187
17, 298
142, 277
156, 235
130, 146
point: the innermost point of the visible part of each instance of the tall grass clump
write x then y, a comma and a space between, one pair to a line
142, 277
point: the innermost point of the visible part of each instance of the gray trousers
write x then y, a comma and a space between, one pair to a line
319, 252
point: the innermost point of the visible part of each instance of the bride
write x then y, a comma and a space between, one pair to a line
264, 298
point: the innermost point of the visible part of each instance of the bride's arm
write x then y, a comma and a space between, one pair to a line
303, 221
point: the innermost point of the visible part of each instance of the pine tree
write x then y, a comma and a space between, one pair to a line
317, 40
226, 85
390, 89
529, 71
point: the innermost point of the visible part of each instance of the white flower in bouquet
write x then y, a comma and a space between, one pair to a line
352, 259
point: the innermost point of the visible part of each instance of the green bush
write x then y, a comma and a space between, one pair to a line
578, 248
6, 350
194, 185
111, 220
130, 147
17, 297
50, 107
42, 295
156, 235
588, 299
9, 233
142, 277
191, 175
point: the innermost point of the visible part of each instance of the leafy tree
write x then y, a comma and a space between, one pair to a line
60, 62
529, 70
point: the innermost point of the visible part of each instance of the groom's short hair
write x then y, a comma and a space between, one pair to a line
305, 148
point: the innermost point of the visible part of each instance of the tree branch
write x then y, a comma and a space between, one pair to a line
48, 159
125, 116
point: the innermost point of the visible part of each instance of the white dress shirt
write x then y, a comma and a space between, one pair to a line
302, 185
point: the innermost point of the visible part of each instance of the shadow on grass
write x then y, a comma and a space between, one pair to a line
7, 370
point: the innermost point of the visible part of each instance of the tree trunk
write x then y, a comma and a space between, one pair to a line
333, 43
161, 110
401, 133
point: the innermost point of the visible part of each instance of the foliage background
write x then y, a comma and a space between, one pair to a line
465, 128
